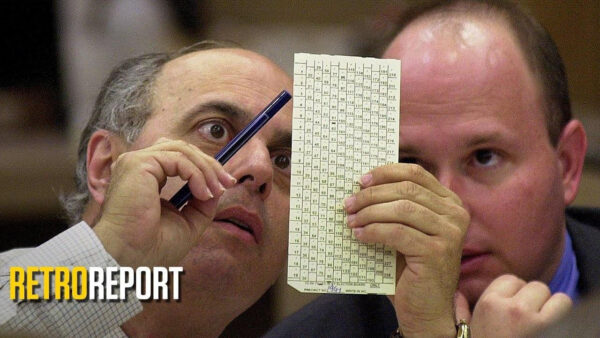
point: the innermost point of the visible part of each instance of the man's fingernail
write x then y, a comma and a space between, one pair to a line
232, 179
349, 202
366, 180
350, 219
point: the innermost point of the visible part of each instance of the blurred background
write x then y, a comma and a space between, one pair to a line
56, 54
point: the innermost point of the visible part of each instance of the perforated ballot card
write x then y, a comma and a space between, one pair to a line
346, 122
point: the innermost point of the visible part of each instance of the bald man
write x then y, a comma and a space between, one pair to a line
158, 122
485, 115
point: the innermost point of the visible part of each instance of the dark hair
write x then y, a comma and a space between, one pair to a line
536, 44
123, 106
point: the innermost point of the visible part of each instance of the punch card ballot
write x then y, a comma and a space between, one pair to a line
346, 121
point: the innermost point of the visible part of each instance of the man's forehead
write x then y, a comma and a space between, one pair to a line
444, 30
482, 56
232, 67
244, 73
208, 62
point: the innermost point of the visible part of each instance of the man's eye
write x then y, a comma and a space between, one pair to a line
486, 158
214, 131
282, 161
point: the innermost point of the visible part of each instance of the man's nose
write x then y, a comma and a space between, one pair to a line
252, 168
454, 180
450, 177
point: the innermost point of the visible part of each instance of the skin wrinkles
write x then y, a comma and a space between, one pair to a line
234, 114
238, 119
222, 109
234, 85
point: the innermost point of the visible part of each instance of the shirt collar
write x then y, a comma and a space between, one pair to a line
566, 277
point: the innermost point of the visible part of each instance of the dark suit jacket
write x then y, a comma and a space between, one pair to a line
374, 316
583, 225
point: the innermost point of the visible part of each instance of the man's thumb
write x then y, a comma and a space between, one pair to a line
461, 307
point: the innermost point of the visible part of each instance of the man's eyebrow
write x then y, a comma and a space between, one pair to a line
483, 139
280, 139
231, 111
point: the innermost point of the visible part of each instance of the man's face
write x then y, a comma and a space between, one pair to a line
472, 114
206, 98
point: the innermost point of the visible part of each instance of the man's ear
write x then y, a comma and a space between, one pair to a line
103, 149
571, 148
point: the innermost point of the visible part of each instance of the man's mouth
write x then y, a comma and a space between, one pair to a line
242, 221
471, 260
238, 224
466, 258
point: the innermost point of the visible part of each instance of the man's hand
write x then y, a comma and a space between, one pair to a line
136, 226
405, 207
511, 307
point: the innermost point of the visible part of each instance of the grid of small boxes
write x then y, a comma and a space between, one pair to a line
346, 120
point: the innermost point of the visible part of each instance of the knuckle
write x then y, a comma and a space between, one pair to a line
441, 248
145, 167
487, 302
563, 297
517, 308
459, 216
510, 278
365, 197
539, 286
180, 143
395, 233
125, 158
404, 207
453, 198
455, 233
406, 188
415, 170
386, 168
176, 157
464, 215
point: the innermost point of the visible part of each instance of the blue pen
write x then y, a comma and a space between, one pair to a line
184, 194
